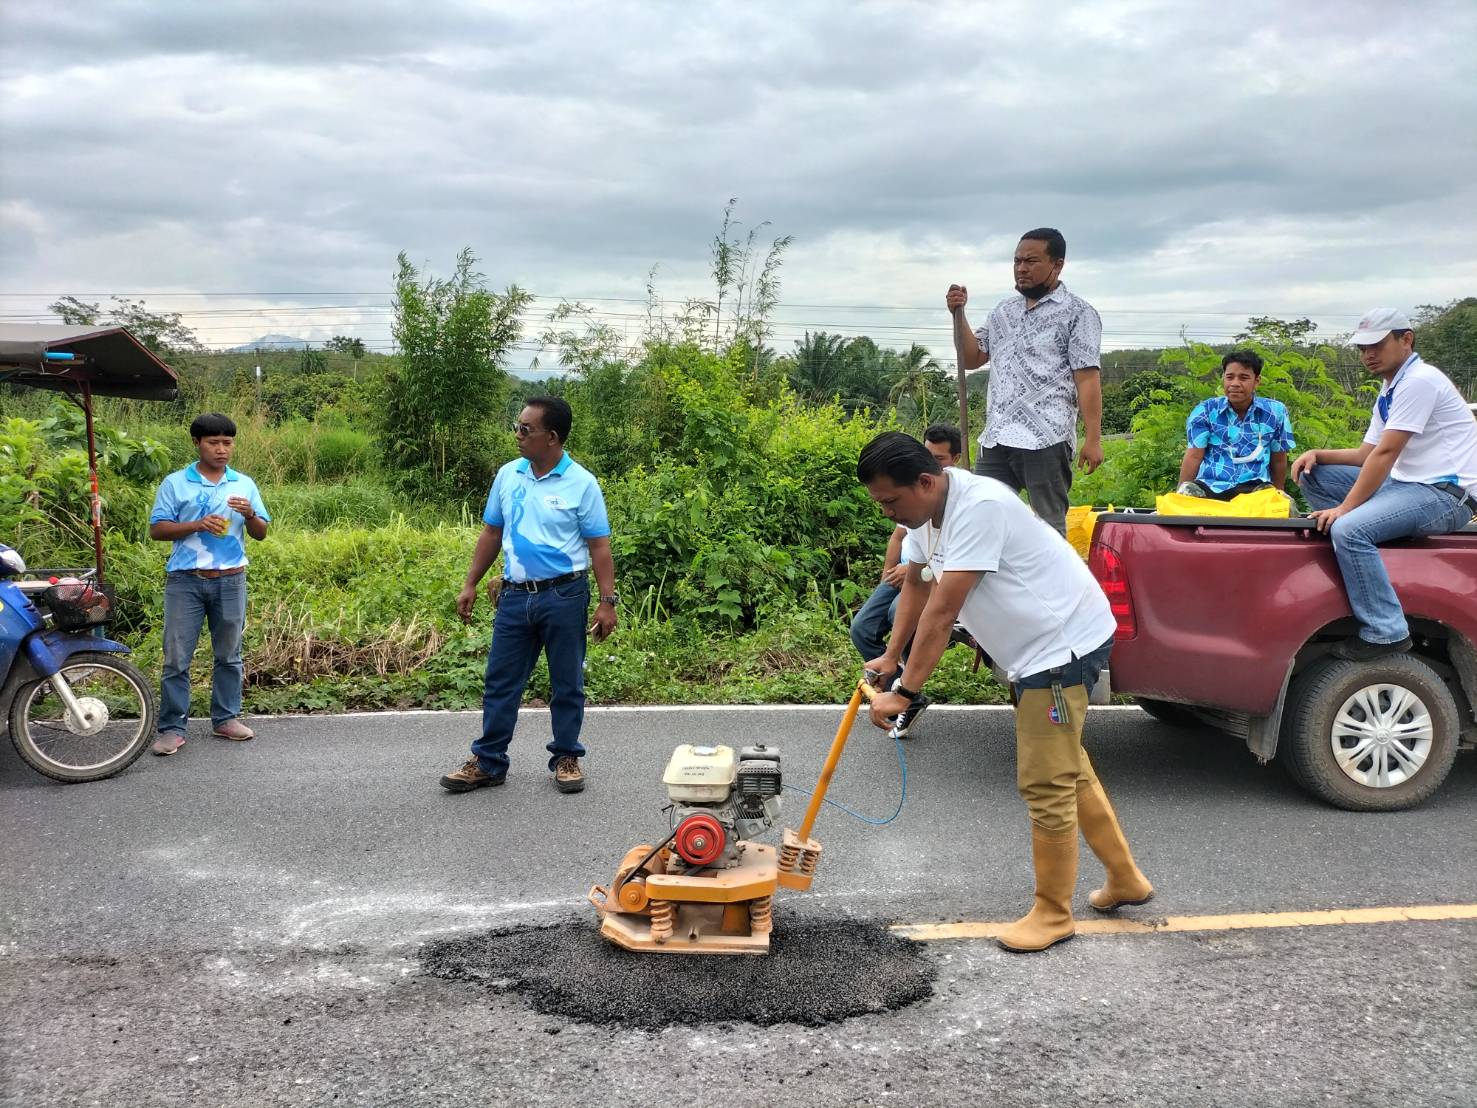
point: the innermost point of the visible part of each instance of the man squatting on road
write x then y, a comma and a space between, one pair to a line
1044, 349
975, 553
546, 513
873, 621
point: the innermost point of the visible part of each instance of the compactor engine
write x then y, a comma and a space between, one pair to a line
719, 799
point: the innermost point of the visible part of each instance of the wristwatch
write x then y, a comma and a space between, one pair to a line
613, 599
902, 691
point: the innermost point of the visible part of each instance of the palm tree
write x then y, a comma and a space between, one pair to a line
819, 366
917, 374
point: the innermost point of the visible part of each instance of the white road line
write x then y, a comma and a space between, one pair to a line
626, 709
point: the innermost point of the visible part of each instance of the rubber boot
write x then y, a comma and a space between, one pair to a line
1126, 884
1050, 919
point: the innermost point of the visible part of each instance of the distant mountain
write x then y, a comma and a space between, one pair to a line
271, 342
542, 373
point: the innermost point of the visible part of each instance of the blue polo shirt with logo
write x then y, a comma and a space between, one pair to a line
185, 496
547, 521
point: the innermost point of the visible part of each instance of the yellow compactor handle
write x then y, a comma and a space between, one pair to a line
838, 744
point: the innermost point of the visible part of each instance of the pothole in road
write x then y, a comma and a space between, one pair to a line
816, 972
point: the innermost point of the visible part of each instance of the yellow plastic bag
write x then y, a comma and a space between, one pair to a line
1080, 522
1262, 504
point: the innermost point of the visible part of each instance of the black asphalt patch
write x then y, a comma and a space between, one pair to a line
816, 972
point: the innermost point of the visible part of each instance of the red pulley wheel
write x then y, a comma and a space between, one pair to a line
700, 839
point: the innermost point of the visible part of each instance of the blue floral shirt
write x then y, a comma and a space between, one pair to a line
1238, 449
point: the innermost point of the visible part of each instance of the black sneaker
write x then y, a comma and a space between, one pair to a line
1361, 650
909, 717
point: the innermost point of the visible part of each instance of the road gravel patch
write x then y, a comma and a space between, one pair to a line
818, 971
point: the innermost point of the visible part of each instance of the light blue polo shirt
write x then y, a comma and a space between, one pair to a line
185, 496
546, 520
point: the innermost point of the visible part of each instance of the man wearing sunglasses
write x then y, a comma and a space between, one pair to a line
1238, 441
546, 514
1414, 474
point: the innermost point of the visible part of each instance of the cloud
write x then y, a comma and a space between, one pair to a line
1204, 158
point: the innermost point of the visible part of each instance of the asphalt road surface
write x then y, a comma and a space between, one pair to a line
310, 919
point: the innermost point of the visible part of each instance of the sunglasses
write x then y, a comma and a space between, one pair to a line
525, 429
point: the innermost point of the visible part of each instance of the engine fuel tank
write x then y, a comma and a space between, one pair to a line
700, 774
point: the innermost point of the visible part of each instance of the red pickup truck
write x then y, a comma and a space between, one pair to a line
1229, 622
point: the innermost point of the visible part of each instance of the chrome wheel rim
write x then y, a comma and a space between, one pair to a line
117, 712
1382, 736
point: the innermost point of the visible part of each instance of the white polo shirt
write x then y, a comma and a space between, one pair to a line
1442, 448
1036, 605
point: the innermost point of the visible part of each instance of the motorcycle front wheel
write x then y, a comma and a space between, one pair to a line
117, 725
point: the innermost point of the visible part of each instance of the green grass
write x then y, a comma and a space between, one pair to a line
363, 617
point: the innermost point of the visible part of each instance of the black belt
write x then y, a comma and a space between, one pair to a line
1460, 494
549, 583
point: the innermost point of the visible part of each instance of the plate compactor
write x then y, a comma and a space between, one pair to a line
708, 888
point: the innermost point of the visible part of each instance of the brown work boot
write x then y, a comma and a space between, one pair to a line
1050, 919
234, 729
470, 777
567, 775
1126, 883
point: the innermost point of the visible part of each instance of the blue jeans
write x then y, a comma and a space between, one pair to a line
1398, 509
189, 602
873, 621
553, 621
1079, 671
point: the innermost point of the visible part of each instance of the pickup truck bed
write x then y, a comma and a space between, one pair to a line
1230, 621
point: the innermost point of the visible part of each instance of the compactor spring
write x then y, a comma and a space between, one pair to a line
663, 920
789, 855
809, 859
761, 915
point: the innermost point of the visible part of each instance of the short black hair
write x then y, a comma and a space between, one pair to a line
1056, 245
1398, 331
1249, 358
945, 432
893, 454
557, 415
210, 424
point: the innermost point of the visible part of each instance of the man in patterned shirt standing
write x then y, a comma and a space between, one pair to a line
1238, 441
1043, 346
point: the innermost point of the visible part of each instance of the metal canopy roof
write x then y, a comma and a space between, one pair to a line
109, 359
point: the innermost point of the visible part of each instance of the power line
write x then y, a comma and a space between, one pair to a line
1280, 313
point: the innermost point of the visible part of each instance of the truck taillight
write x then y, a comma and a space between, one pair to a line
1107, 567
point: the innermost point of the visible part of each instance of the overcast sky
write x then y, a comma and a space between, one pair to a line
1204, 160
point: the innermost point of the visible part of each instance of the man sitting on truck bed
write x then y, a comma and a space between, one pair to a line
1239, 441
1414, 474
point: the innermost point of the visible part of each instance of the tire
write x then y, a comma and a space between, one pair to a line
50, 744
1333, 707
1165, 711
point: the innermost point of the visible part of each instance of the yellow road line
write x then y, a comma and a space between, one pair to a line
942, 932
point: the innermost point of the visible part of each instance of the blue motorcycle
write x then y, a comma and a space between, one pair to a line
78, 710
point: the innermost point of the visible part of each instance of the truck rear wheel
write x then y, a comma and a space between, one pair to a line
1375, 736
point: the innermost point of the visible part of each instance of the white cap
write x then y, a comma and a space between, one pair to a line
1376, 324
